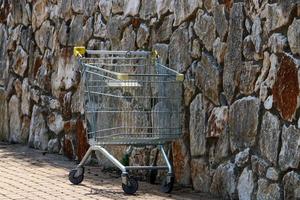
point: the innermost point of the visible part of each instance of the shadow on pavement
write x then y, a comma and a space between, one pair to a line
96, 183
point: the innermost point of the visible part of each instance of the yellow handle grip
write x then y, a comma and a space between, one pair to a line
79, 51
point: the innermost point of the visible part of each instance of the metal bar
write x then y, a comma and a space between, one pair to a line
101, 69
131, 127
85, 157
114, 58
139, 80
167, 68
137, 97
115, 65
166, 159
108, 129
145, 167
103, 76
135, 53
139, 127
135, 142
124, 111
135, 135
156, 75
110, 157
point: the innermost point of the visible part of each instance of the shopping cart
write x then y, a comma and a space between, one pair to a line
130, 99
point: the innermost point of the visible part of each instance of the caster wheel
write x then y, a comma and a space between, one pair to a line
152, 176
76, 175
167, 185
131, 187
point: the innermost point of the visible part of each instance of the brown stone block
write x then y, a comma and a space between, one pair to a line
286, 88
81, 138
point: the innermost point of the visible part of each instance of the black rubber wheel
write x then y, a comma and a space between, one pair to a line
131, 187
76, 179
165, 186
152, 176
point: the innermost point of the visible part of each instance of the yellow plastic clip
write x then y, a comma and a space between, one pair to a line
155, 54
122, 76
79, 51
179, 77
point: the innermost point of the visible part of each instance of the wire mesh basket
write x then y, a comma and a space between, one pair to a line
130, 98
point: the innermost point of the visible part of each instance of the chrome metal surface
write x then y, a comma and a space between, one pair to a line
130, 98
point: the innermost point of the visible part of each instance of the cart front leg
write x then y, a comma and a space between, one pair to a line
86, 156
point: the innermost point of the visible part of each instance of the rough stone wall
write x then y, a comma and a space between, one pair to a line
241, 127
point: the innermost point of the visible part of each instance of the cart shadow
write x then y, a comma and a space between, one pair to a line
108, 193
36, 158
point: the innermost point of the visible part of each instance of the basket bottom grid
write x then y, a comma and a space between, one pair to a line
133, 140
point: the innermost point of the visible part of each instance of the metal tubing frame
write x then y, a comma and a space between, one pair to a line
166, 159
106, 154
123, 168
136, 53
117, 74
91, 66
146, 167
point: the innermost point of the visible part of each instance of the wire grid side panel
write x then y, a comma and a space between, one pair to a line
142, 110
119, 62
167, 110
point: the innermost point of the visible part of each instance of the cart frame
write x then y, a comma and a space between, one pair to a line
129, 184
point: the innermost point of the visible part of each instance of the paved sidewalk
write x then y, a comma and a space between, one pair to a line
28, 174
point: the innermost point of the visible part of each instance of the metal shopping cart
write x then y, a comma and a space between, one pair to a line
130, 99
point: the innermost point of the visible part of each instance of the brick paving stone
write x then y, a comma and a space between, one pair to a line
28, 174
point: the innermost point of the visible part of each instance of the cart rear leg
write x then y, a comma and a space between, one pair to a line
129, 184
85, 157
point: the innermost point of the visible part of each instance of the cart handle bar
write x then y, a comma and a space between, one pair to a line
80, 51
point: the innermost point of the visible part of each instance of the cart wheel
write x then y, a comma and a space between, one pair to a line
131, 187
152, 176
167, 185
76, 178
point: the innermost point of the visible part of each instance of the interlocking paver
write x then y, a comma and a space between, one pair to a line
28, 174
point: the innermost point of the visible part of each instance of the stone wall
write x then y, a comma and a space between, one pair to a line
240, 59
